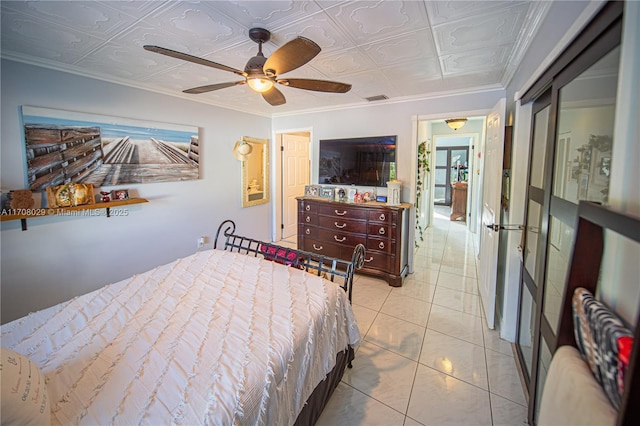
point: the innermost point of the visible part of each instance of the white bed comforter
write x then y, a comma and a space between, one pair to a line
214, 338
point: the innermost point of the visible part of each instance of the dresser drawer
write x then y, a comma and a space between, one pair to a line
345, 212
381, 244
308, 231
377, 260
341, 224
382, 216
321, 247
381, 230
307, 218
342, 238
308, 206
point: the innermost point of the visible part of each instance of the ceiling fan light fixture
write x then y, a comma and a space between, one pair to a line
260, 84
456, 123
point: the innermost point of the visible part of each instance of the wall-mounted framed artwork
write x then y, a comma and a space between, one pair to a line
64, 146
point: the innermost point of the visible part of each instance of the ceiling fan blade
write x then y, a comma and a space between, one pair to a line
191, 58
274, 97
212, 87
316, 85
292, 55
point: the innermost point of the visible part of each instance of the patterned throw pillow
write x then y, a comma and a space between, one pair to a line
598, 332
582, 329
280, 255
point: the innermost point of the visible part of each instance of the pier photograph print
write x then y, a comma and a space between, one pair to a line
64, 146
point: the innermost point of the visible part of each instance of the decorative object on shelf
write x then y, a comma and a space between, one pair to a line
393, 194
70, 195
369, 195
351, 194
358, 198
242, 150
105, 196
381, 198
456, 123
120, 194
421, 179
20, 199
327, 192
312, 190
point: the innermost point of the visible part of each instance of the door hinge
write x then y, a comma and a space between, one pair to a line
281, 148
282, 226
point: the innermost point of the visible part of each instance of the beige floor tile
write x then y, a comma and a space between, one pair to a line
456, 324
421, 290
383, 375
507, 413
348, 406
371, 297
364, 318
458, 300
439, 399
458, 282
493, 341
504, 379
396, 335
407, 308
455, 357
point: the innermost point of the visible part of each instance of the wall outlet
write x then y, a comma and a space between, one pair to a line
201, 241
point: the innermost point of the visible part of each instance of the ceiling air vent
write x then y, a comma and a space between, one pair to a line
377, 98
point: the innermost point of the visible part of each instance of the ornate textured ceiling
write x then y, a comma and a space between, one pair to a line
400, 49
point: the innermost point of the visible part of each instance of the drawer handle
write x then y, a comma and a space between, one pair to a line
335, 237
307, 208
369, 259
340, 213
307, 231
317, 248
308, 219
339, 226
381, 231
381, 245
382, 217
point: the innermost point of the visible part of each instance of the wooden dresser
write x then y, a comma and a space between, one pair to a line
334, 229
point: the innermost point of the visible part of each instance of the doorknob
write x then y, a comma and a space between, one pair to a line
497, 227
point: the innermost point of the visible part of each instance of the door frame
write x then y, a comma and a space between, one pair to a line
474, 179
276, 177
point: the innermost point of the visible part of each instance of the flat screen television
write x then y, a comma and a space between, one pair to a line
366, 161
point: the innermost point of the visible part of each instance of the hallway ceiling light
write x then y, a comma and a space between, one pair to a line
456, 123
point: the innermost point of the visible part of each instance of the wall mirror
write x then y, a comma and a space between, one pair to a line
255, 172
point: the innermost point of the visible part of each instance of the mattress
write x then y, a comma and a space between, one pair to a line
213, 338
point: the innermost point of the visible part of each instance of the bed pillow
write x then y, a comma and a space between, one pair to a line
280, 255
24, 392
602, 342
582, 330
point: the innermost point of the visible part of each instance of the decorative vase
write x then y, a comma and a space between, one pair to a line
393, 192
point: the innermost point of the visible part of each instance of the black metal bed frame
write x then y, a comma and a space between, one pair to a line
329, 267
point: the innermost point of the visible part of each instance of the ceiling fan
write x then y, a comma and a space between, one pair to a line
262, 73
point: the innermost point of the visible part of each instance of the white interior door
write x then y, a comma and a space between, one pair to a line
295, 175
491, 187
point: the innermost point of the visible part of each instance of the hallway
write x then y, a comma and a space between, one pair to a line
426, 357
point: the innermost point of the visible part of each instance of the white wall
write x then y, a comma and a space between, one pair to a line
61, 257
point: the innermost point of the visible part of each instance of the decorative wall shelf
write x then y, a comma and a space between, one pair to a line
67, 211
